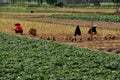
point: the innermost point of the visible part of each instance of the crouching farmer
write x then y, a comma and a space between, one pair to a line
18, 28
92, 30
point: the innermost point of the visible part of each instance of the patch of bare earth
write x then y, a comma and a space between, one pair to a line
109, 43
100, 24
98, 42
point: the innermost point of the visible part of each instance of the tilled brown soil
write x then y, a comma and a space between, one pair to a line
100, 24
109, 43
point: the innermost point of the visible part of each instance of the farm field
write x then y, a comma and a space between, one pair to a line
89, 17
54, 53
62, 30
23, 58
45, 17
56, 9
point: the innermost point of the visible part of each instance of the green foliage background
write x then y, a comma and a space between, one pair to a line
89, 17
22, 58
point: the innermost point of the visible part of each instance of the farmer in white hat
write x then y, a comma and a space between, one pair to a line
93, 30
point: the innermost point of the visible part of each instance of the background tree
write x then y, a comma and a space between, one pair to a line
117, 2
96, 2
51, 1
39, 2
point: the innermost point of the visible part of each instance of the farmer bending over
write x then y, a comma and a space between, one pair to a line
92, 30
18, 28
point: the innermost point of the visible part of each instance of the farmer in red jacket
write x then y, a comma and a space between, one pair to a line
18, 28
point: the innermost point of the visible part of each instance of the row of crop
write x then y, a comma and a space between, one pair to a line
89, 17
26, 59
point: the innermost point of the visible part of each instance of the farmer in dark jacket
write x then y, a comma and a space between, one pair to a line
77, 31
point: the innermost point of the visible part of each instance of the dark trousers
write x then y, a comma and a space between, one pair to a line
21, 31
